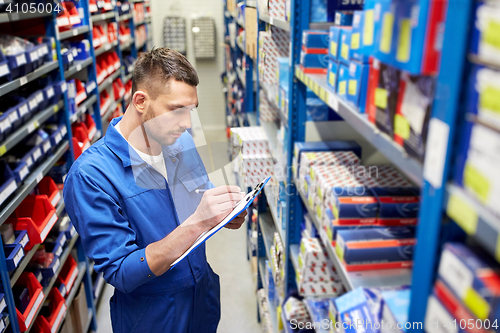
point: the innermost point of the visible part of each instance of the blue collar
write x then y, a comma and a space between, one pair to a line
120, 147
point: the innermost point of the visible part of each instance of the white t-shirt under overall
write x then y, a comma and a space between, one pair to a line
157, 162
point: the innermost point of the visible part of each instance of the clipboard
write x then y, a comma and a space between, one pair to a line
237, 210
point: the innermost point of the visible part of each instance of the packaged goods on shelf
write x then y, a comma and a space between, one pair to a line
313, 63
358, 84
318, 310
332, 76
321, 146
484, 29
295, 309
269, 284
342, 80
315, 41
476, 164
343, 18
437, 314
357, 38
482, 95
468, 272
377, 248
383, 95
334, 36
411, 121
30, 303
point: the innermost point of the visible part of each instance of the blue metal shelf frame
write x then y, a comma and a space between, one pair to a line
446, 108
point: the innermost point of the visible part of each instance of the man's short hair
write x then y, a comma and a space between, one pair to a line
153, 70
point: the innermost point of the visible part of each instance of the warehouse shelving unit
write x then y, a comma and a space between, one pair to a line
438, 194
90, 105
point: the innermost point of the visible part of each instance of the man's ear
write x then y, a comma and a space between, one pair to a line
140, 101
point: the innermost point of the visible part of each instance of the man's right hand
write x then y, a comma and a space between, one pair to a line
216, 204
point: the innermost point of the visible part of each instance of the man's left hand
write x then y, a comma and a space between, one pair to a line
237, 221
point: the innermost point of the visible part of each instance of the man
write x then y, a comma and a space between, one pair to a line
133, 198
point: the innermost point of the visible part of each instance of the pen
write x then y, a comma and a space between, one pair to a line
203, 190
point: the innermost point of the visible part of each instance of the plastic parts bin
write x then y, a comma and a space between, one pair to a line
36, 215
29, 281
21, 238
13, 255
67, 276
51, 322
7, 181
48, 187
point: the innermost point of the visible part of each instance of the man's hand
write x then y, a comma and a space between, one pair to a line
237, 221
215, 205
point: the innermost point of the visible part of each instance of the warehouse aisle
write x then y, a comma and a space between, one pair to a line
226, 252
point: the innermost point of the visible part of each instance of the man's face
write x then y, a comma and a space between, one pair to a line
169, 115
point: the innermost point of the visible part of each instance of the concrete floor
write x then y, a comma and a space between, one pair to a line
226, 253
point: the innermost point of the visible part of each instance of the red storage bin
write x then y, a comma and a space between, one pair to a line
48, 187
62, 19
96, 37
118, 88
105, 101
80, 139
104, 65
103, 34
101, 75
81, 93
91, 128
35, 289
67, 276
93, 6
116, 60
110, 60
51, 323
112, 35
36, 215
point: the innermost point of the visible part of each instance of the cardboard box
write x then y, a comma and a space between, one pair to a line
378, 248
343, 79
474, 281
371, 26
315, 40
333, 49
413, 112
397, 206
357, 38
332, 228
316, 110
385, 35
79, 311
419, 36
357, 85
333, 70
484, 29
358, 304
345, 45
343, 18
251, 32
383, 96
437, 318
308, 60
482, 95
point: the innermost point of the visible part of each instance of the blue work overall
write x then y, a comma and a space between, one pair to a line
119, 204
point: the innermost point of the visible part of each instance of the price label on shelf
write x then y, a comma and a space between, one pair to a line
437, 143
39, 177
78, 67
333, 102
75, 32
23, 80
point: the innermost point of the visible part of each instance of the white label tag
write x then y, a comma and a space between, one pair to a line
23, 110
31, 127
56, 266
34, 55
62, 240
71, 280
24, 240
48, 227
23, 80
3, 304
56, 199
57, 138
455, 274
75, 32
39, 98
437, 143
19, 255
59, 318
8, 191
62, 21
5, 124
59, 251
23, 172
44, 50
50, 92
46, 146
64, 87
4, 70
91, 86
21, 59
86, 146
39, 177
78, 67
92, 133
64, 131
70, 57
34, 309
33, 103
29, 161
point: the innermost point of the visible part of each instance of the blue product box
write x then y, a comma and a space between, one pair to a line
343, 78
315, 39
352, 206
396, 306
82, 49
397, 205
357, 38
321, 11
309, 60
333, 71
283, 71
332, 228
359, 304
316, 110
343, 18
345, 45
357, 86
484, 29
384, 34
334, 48
376, 248
482, 98
468, 272
418, 35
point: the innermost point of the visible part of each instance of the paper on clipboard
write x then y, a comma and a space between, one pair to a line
240, 207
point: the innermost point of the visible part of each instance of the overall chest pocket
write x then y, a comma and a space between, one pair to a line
194, 179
